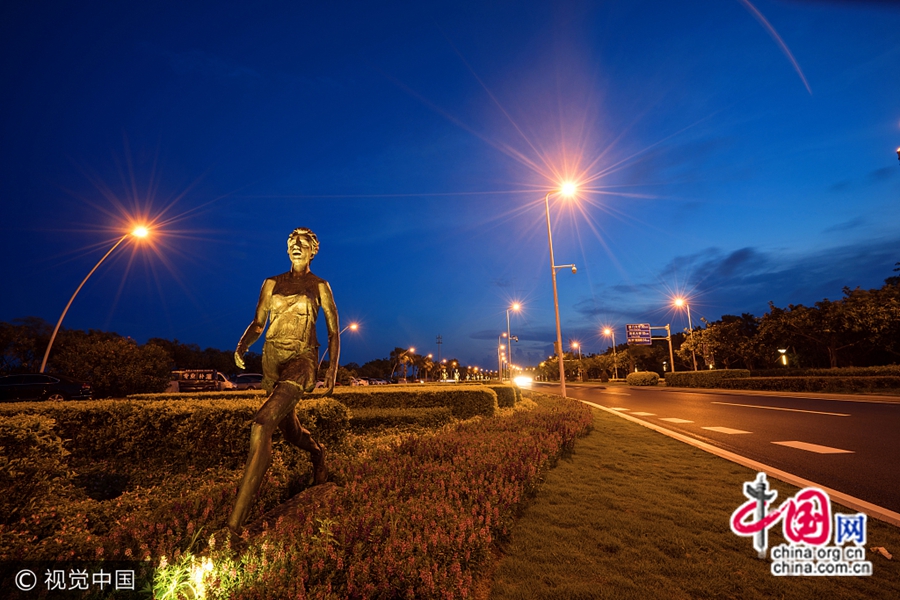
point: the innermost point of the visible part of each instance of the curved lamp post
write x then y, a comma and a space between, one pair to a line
140, 232
351, 327
567, 189
679, 302
399, 359
609, 331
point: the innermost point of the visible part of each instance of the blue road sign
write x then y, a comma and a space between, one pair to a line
639, 333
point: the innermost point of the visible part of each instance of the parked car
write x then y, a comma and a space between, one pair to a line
199, 380
360, 381
39, 386
248, 381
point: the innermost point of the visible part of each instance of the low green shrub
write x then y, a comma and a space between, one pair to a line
834, 385
372, 418
195, 432
506, 394
642, 378
223, 395
883, 371
703, 379
32, 463
465, 401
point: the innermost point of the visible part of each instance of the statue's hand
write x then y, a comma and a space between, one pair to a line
330, 377
239, 358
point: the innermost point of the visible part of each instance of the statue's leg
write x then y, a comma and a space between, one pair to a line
301, 369
299, 436
279, 405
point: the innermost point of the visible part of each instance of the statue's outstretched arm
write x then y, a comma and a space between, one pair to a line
255, 329
334, 336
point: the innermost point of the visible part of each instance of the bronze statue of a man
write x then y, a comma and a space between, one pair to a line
290, 302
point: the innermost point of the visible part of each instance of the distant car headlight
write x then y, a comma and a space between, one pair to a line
522, 380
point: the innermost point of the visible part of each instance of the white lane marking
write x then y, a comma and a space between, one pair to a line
812, 412
619, 408
727, 430
873, 510
644, 414
676, 420
814, 448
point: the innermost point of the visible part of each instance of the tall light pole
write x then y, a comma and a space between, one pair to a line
577, 346
567, 189
139, 232
679, 302
609, 331
516, 306
500, 356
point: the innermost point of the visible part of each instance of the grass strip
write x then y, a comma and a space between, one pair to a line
634, 514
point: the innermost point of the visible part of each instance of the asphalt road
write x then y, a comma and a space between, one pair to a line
852, 446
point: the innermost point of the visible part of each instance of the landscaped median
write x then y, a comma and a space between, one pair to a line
412, 515
838, 380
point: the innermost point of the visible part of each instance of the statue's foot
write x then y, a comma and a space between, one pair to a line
229, 541
319, 470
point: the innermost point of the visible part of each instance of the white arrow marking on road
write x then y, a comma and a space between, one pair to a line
727, 430
812, 412
814, 448
676, 420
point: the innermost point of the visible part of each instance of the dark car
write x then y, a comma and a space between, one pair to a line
38, 386
248, 381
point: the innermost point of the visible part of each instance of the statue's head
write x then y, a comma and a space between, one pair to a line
302, 233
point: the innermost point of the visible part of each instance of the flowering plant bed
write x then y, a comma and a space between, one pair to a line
414, 517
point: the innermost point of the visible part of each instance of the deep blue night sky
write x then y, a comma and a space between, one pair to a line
729, 158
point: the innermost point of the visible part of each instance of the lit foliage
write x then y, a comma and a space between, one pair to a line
416, 520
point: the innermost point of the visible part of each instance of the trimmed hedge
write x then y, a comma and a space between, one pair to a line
506, 394
642, 378
199, 433
464, 401
223, 395
703, 379
371, 418
814, 384
883, 371
32, 463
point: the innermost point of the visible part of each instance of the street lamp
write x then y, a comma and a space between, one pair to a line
516, 306
609, 331
351, 327
783, 351
577, 346
139, 232
679, 302
567, 189
400, 359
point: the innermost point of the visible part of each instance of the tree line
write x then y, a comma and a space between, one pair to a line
117, 366
861, 329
